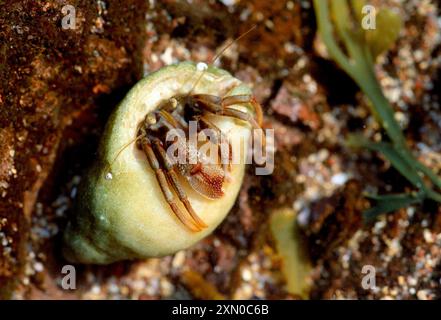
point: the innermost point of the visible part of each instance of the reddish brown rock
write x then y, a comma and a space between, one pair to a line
49, 77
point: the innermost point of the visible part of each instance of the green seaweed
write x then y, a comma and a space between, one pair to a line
296, 266
355, 50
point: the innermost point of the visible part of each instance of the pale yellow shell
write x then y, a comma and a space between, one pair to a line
127, 217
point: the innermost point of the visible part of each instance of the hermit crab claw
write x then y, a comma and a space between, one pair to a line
207, 180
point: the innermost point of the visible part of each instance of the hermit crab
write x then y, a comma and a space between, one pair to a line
137, 200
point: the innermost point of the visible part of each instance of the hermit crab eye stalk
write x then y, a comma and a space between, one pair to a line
173, 103
150, 118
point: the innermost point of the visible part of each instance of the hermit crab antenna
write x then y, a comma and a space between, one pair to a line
202, 66
217, 56
109, 167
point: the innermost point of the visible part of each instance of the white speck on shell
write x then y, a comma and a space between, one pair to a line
109, 176
201, 66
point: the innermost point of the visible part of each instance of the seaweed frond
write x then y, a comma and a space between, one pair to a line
355, 49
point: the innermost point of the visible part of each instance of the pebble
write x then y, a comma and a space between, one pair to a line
339, 179
428, 237
246, 275
423, 294
38, 267
178, 259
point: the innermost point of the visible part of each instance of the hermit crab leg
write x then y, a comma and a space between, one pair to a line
220, 136
180, 119
234, 113
173, 178
221, 106
173, 120
162, 180
168, 117
243, 99
216, 105
240, 99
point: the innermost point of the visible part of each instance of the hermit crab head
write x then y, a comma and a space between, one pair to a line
131, 204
